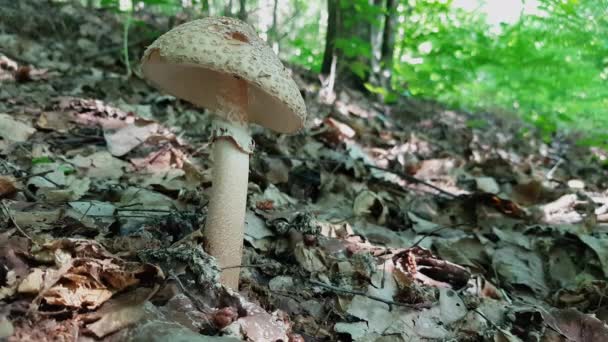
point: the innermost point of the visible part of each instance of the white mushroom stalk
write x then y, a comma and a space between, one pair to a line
225, 224
222, 65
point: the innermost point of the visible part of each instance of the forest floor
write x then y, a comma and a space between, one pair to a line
410, 222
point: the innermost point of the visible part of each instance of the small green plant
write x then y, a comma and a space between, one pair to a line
41, 160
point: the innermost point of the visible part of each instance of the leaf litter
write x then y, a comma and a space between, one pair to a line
404, 224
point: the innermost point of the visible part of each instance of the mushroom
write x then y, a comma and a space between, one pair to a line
221, 64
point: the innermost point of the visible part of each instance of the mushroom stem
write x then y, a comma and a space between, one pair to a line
225, 225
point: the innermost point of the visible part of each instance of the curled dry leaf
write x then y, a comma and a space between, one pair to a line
92, 275
422, 265
224, 317
94, 113
7, 187
266, 205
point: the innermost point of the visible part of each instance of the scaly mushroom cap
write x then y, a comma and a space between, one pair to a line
192, 59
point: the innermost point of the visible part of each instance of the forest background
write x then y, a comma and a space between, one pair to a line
544, 60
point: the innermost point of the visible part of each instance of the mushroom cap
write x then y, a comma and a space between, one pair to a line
191, 60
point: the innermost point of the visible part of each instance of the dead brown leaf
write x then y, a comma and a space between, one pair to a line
7, 187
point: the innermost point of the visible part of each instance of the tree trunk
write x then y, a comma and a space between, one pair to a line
205, 7
274, 27
228, 9
242, 10
354, 68
333, 15
376, 41
388, 45
346, 24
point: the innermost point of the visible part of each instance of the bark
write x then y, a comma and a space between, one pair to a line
273, 29
388, 44
242, 10
344, 23
333, 15
354, 27
376, 41
205, 7
228, 9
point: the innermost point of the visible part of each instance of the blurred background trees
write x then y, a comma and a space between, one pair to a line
545, 60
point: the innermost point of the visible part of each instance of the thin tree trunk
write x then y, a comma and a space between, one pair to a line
228, 9
388, 44
273, 29
376, 41
205, 7
354, 70
333, 14
242, 10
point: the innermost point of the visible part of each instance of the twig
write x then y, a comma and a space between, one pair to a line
438, 229
147, 210
43, 173
316, 333
133, 216
402, 175
10, 217
413, 180
199, 305
129, 205
86, 211
390, 303
245, 266
477, 311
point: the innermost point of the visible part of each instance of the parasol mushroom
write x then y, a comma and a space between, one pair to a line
221, 64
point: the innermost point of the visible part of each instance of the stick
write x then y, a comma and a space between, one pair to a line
10, 216
397, 173
390, 303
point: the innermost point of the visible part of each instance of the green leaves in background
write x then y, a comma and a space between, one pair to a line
551, 68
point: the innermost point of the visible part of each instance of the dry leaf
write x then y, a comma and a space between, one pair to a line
13, 130
7, 187
124, 139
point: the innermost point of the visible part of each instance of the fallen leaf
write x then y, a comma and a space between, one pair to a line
55, 121
260, 326
521, 267
33, 282
579, 327
100, 165
451, 305
13, 130
124, 139
117, 319
600, 247
7, 187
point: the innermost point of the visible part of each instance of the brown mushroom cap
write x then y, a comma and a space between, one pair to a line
192, 59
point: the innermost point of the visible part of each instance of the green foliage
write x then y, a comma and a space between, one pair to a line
302, 34
551, 68
41, 160
388, 96
166, 7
